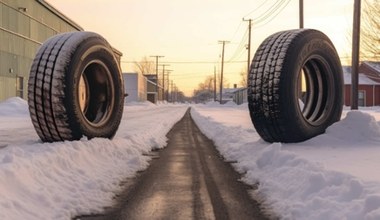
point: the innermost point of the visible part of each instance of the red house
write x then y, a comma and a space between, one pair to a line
369, 84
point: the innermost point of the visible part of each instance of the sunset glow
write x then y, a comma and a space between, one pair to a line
187, 32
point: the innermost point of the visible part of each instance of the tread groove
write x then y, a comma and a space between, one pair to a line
273, 81
44, 79
50, 89
39, 130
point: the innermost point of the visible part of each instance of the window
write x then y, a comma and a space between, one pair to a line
20, 86
361, 98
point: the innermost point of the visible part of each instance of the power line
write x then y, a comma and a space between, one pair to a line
261, 5
237, 29
275, 9
270, 13
189, 75
273, 15
239, 48
189, 62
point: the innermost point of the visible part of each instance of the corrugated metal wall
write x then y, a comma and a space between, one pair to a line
24, 25
8, 86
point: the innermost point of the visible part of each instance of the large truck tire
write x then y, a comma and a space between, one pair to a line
75, 88
295, 86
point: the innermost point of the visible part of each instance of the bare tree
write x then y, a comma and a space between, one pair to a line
145, 66
204, 92
207, 84
370, 31
243, 80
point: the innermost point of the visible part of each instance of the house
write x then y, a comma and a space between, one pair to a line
135, 85
240, 96
154, 91
237, 95
369, 85
371, 70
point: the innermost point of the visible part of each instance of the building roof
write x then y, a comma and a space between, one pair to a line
232, 90
347, 69
154, 83
151, 76
373, 65
60, 14
363, 79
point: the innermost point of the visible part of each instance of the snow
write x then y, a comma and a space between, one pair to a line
332, 176
60, 180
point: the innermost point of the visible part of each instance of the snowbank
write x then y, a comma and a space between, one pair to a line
310, 180
14, 107
332, 176
64, 179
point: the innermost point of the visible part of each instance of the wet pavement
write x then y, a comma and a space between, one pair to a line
186, 180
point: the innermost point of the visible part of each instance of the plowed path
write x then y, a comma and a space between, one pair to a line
187, 180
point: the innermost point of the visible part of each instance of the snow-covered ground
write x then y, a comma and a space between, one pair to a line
61, 180
333, 176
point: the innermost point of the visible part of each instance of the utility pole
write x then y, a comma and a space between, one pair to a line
171, 89
157, 56
163, 80
301, 13
166, 93
249, 42
214, 83
175, 93
355, 55
223, 42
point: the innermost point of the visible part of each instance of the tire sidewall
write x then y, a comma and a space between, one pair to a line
93, 48
311, 45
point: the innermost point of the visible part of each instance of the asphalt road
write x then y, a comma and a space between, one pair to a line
186, 180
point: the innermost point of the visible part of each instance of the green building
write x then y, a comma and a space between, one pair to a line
24, 26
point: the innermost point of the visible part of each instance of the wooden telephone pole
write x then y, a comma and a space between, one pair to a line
223, 42
157, 56
249, 43
301, 13
355, 55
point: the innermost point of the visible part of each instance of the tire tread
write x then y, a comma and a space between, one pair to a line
266, 81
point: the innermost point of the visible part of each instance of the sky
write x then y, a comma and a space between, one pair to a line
332, 176
187, 32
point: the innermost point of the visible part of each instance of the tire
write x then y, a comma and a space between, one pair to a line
282, 108
75, 88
